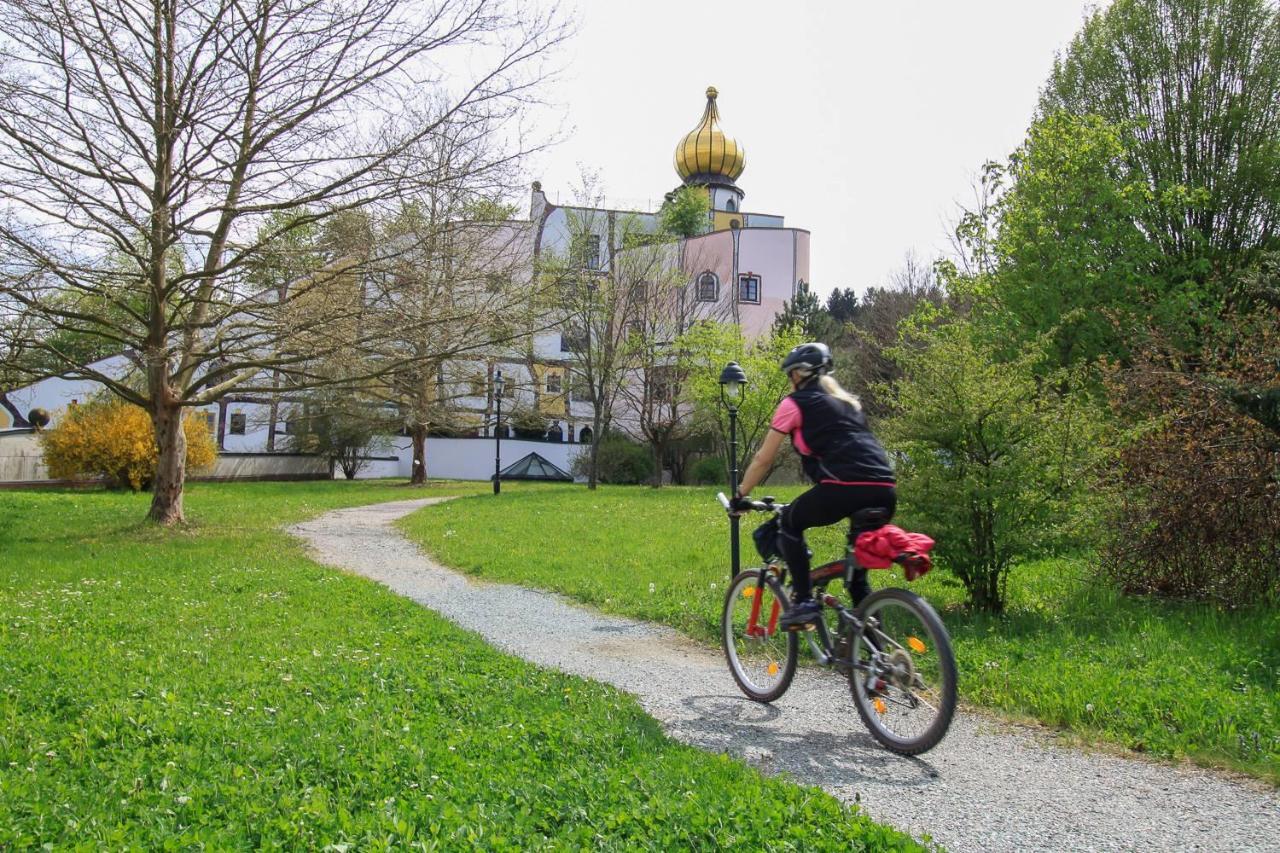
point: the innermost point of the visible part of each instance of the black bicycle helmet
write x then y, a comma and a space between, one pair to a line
814, 357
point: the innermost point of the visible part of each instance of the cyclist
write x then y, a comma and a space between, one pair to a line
847, 464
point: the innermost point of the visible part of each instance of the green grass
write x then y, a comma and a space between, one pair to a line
1172, 680
212, 687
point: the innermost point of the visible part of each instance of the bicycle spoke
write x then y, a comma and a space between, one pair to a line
761, 657
903, 695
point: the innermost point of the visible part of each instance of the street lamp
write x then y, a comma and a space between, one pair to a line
498, 385
732, 382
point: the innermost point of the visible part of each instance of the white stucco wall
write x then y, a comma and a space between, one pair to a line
464, 458
472, 459
55, 393
21, 458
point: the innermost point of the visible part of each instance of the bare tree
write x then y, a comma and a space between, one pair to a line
658, 410
163, 130
452, 287
972, 231
595, 293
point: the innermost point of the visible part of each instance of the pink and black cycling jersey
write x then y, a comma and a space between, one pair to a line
832, 439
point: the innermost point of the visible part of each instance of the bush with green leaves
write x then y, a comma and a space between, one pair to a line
709, 471
620, 461
994, 460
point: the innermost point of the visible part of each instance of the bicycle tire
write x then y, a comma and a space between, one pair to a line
939, 643
779, 648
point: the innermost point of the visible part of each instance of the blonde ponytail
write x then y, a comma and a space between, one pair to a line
829, 384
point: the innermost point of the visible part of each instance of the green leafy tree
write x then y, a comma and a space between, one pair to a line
1194, 85
1073, 260
807, 315
863, 363
684, 212
842, 305
990, 463
707, 347
347, 429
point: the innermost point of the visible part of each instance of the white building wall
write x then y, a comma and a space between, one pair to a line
463, 458
55, 394
472, 459
21, 457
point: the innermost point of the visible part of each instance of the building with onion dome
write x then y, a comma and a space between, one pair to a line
746, 265
742, 269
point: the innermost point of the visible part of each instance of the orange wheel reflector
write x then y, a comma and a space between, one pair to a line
748, 592
773, 667
916, 646
880, 707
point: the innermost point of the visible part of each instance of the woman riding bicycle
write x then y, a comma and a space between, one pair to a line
847, 464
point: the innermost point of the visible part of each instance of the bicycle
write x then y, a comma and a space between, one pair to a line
893, 646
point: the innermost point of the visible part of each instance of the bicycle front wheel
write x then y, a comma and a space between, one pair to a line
761, 656
904, 677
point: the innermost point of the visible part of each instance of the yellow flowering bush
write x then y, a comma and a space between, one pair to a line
115, 440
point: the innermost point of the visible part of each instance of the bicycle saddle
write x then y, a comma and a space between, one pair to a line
868, 519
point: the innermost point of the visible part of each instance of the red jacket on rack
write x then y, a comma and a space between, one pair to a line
881, 548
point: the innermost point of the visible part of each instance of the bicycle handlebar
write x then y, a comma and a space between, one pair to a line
758, 506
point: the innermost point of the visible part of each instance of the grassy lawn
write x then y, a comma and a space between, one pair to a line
1173, 680
213, 687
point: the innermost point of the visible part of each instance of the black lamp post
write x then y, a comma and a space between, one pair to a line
498, 385
732, 381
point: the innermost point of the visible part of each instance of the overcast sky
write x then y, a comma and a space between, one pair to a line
863, 122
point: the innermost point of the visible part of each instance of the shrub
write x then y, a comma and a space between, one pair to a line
115, 440
1200, 475
708, 471
619, 461
526, 423
344, 434
993, 461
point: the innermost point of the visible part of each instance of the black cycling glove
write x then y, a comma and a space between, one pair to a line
740, 504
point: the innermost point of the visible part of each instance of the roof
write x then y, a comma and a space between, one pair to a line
534, 467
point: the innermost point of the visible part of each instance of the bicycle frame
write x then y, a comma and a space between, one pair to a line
846, 618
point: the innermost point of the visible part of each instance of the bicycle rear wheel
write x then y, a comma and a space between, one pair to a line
905, 686
761, 656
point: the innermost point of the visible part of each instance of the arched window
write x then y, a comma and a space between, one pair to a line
584, 435
555, 433
731, 205
708, 287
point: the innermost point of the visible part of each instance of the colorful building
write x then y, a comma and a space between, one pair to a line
742, 269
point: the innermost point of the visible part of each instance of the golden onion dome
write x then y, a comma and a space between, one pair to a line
706, 151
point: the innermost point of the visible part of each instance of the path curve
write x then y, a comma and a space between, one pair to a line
988, 786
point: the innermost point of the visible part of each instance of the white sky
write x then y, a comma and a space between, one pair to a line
863, 122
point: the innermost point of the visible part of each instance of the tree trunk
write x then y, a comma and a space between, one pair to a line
18, 419
595, 450
657, 463
171, 469
419, 435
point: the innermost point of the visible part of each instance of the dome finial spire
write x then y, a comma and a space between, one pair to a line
706, 154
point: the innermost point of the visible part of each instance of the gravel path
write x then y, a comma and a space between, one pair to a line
989, 786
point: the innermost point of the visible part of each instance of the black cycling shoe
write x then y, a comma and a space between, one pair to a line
801, 616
